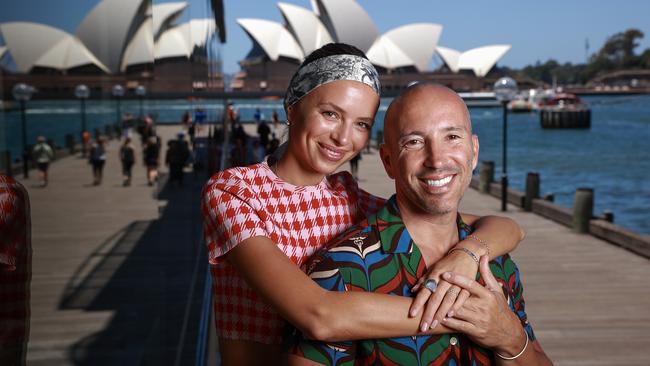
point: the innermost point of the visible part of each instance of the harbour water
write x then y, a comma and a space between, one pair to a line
613, 157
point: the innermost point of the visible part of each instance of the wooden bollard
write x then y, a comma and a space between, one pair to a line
583, 209
608, 216
532, 190
486, 176
550, 197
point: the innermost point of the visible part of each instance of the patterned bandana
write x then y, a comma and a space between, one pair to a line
328, 69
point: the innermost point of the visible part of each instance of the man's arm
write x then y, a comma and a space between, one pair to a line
488, 320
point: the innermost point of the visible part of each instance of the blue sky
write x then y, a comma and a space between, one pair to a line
536, 30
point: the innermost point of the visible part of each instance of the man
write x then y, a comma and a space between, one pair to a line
177, 156
43, 155
430, 152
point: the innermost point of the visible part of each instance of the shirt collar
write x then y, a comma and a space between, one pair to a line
394, 235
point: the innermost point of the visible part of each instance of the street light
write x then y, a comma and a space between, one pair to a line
118, 93
505, 90
82, 93
23, 93
140, 91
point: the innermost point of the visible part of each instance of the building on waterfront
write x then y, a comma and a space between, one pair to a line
123, 42
401, 55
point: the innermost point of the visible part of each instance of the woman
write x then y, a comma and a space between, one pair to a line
261, 222
150, 157
98, 159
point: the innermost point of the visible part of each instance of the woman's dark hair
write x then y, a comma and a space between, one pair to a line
332, 49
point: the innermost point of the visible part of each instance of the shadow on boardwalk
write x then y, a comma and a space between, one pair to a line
150, 276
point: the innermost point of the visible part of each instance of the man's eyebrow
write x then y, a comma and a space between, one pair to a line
410, 133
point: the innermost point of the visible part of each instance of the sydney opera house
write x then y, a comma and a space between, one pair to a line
127, 42
402, 55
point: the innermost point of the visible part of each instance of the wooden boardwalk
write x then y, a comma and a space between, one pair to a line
117, 272
114, 274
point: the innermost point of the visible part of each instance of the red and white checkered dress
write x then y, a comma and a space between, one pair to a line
240, 203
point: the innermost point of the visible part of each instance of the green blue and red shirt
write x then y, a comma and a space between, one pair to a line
378, 255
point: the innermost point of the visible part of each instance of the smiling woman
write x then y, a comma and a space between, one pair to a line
263, 221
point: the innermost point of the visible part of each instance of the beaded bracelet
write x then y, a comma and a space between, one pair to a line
518, 354
480, 241
469, 252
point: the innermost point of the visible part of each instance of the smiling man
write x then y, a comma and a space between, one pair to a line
430, 152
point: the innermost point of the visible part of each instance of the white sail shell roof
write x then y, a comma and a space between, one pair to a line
305, 26
480, 59
27, 41
348, 22
173, 43
450, 56
165, 14
385, 53
140, 50
106, 28
403, 46
274, 39
68, 53
199, 31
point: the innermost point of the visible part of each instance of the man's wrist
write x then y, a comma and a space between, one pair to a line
515, 347
472, 245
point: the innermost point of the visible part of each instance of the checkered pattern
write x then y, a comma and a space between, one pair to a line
15, 271
241, 203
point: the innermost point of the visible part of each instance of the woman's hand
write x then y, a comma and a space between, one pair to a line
447, 296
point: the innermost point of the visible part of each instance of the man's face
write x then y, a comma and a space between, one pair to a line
430, 150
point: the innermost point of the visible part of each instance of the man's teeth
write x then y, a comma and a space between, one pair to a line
439, 182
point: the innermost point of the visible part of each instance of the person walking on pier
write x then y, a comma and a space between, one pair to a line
178, 153
42, 153
97, 159
127, 158
151, 155
263, 221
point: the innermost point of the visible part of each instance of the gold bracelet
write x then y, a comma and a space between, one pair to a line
480, 241
518, 354
469, 252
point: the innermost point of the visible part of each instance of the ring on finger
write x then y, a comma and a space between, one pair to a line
453, 291
431, 285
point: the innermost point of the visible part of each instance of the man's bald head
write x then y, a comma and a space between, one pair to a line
420, 95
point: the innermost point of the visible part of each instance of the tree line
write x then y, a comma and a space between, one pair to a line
618, 53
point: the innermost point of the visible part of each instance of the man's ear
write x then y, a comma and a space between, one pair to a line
384, 153
475, 149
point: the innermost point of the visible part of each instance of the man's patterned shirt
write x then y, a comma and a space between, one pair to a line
378, 255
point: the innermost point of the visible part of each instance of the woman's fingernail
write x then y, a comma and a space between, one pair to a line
424, 327
434, 323
446, 275
450, 314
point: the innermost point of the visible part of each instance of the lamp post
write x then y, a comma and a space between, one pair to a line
141, 91
82, 93
505, 90
118, 93
23, 93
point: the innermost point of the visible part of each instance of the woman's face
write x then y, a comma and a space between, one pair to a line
331, 125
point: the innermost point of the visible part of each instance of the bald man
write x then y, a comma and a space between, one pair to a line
430, 152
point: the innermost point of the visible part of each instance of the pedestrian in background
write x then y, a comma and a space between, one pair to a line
97, 159
127, 157
150, 158
43, 155
178, 153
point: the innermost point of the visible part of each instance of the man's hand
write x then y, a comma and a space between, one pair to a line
438, 304
485, 317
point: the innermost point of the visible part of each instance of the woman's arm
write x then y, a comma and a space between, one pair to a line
320, 314
493, 236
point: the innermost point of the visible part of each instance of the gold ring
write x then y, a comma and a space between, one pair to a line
453, 291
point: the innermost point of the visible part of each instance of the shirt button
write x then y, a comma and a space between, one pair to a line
453, 341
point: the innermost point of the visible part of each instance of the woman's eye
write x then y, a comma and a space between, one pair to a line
364, 125
329, 114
